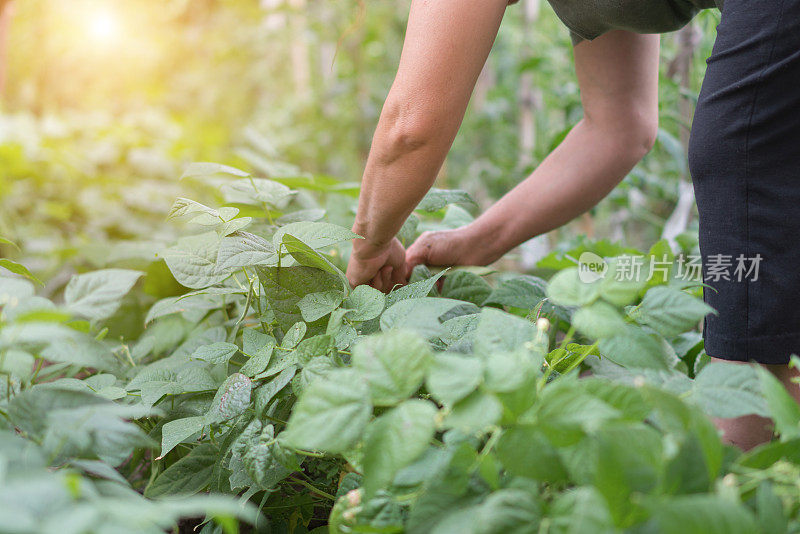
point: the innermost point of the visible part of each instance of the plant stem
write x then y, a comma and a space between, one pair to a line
312, 488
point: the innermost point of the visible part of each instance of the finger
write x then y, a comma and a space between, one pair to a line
386, 278
415, 255
357, 276
352, 280
399, 276
377, 282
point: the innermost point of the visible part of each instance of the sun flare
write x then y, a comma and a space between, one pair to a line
103, 26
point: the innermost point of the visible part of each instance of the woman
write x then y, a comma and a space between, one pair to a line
744, 155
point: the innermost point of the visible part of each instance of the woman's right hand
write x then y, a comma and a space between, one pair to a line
446, 248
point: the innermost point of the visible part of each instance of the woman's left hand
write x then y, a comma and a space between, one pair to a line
381, 267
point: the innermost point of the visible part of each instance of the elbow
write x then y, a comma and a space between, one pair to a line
638, 133
403, 129
644, 135
632, 134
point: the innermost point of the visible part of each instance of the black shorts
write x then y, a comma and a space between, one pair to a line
744, 158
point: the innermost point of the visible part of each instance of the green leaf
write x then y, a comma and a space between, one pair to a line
769, 510
617, 289
282, 359
315, 306
5, 241
198, 337
255, 343
455, 217
189, 475
660, 259
14, 288
365, 302
629, 458
437, 199
195, 379
181, 304
393, 364
17, 362
509, 371
265, 393
524, 451
305, 255
463, 285
670, 311
255, 191
313, 347
635, 349
394, 440
521, 291
331, 415
199, 213
452, 377
508, 510
79, 349
18, 268
286, 286
413, 291
474, 413
702, 514
242, 249
259, 348
314, 369
202, 168
294, 335
422, 315
215, 353
501, 331
582, 511
566, 288
598, 321
152, 392
317, 235
176, 431
97, 295
729, 390
445, 490
231, 400
192, 261
262, 459
784, 409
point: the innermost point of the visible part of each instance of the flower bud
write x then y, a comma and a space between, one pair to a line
354, 497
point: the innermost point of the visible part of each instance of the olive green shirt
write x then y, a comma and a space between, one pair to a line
589, 19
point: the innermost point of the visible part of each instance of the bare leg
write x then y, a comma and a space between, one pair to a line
752, 430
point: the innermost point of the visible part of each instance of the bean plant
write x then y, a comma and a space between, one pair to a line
265, 391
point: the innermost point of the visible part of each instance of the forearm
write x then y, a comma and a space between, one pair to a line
399, 172
618, 77
587, 165
446, 45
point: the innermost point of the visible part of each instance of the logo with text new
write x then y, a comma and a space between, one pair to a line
591, 267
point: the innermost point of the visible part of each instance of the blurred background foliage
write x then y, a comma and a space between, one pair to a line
106, 101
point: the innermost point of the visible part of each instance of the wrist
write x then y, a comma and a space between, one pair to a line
484, 245
368, 246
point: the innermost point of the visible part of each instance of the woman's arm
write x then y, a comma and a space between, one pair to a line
618, 77
446, 45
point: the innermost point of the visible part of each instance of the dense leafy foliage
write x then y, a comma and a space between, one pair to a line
218, 370
453, 407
